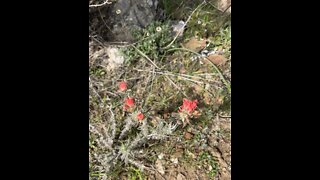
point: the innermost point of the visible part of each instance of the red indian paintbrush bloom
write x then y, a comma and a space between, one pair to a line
140, 116
188, 106
128, 103
122, 86
187, 110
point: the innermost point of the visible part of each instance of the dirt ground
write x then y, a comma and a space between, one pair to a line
217, 145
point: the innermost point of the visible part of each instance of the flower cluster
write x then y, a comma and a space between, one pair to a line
187, 110
122, 86
188, 106
129, 103
140, 116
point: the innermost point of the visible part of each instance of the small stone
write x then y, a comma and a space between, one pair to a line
191, 154
160, 156
188, 135
217, 59
190, 129
178, 28
207, 86
159, 166
194, 44
180, 177
174, 160
115, 59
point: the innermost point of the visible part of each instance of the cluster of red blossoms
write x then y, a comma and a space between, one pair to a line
122, 86
188, 106
187, 110
129, 103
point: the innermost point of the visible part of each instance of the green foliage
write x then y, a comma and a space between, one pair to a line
135, 174
150, 42
170, 7
206, 157
222, 40
97, 71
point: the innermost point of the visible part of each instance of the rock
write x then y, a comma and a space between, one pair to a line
190, 154
178, 28
188, 135
160, 156
159, 166
181, 177
224, 4
177, 154
174, 160
114, 58
217, 59
126, 15
195, 44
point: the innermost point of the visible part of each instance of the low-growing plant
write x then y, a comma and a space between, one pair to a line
122, 141
150, 41
205, 156
111, 146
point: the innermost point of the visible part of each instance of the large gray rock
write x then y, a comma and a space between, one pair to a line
224, 5
124, 16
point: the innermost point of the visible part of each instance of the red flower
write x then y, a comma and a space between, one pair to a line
123, 86
140, 116
129, 102
188, 106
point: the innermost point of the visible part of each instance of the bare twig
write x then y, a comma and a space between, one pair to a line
153, 71
105, 22
113, 123
102, 4
134, 78
199, 82
152, 169
175, 85
215, 6
221, 116
151, 86
226, 9
95, 39
97, 94
177, 75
